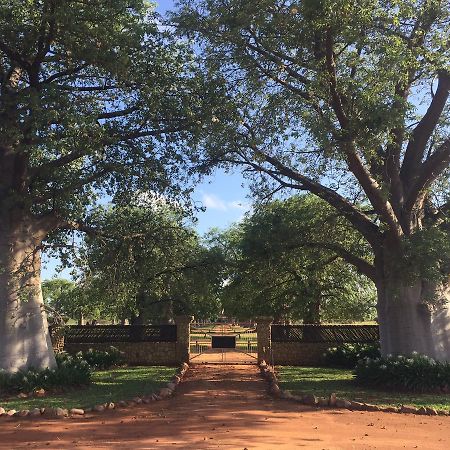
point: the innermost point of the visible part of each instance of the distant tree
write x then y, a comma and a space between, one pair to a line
65, 300
282, 263
55, 293
145, 265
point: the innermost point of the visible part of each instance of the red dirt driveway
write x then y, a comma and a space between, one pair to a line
226, 407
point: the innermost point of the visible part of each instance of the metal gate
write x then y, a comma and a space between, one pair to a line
223, 343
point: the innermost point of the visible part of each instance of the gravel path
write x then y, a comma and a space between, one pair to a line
226, 407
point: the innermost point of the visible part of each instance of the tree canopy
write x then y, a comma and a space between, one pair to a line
96, 98
347, 100
281, 263
144, 263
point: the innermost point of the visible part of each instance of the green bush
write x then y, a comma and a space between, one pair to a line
417, 373
347, 355
71, 371
101, 359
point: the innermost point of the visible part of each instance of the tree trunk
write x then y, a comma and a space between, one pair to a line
312, 314
410, 323
167, 315
440, 322
136, 319
25, 339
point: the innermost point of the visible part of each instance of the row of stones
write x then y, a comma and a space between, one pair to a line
60, 413
333, 401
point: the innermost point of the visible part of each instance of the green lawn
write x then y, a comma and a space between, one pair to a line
323, 381
108, 385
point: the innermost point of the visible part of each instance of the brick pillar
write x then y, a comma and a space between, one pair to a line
57, 337
183, 337
263, 336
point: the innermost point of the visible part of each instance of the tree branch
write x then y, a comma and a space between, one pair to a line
429, 171
361, 222
417, 144
73, 186
361, 264
64, 73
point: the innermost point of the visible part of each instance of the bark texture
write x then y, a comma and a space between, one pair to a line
440, 324
25, 339
410, 322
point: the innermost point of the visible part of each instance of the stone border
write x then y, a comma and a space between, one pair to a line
61, 413
332, 401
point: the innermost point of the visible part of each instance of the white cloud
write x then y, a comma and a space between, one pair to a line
238, 205
214, 202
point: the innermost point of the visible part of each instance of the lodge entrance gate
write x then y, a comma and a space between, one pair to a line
223, 343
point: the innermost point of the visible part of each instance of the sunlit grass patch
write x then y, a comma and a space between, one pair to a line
107, 385
322, 381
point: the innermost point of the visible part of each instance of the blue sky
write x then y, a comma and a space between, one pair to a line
221, 194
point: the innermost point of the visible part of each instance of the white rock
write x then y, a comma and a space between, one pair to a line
35, 412
57, 413
165, 392
343, 403
332, 399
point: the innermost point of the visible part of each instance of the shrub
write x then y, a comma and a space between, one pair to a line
348, 355
417, 373
71, 371
101, 359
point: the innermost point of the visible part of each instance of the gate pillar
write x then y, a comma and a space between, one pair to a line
183, 337
263, 336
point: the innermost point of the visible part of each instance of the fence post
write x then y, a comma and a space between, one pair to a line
183, 337
263, 337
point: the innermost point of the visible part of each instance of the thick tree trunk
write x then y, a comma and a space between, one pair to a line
440, 323
409, 323
24, 337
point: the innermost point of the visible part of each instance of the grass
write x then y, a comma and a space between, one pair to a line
107, 385
323, 381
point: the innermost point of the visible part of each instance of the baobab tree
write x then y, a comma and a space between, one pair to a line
93, 97
346, 99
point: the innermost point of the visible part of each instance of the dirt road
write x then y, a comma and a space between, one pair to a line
226, 407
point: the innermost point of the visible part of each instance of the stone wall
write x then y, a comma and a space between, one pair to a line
298, 353
139, 353
149, 353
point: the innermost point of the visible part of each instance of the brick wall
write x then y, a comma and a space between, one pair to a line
298, 353
139, 353
148, 353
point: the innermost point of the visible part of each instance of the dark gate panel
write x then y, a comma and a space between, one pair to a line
223, 341
75, 334
325, 333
